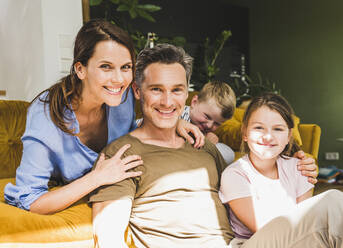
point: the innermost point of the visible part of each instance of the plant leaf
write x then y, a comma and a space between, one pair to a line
149, 7
133, 13
115, 1
94, 2
123, 7
226, 34
145, 15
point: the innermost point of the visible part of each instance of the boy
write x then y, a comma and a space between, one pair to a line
214, 104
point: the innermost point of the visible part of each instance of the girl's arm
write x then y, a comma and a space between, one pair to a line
243, 208
107, 171
235, 190
305, 196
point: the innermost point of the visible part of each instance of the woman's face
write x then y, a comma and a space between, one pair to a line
107, 75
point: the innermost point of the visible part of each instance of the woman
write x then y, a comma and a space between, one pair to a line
69, 124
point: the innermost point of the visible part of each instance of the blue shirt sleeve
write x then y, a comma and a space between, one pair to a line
50, 153
37, 164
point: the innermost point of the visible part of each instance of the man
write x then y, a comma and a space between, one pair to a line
175, 202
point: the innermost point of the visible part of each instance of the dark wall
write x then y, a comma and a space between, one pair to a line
196, 20
298, 44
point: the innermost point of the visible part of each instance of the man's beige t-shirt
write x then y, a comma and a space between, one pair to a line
175, 201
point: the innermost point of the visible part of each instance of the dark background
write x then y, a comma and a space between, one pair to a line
196, 20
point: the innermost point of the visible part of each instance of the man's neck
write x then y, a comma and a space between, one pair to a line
165, 137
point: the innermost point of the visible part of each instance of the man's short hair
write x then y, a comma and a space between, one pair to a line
222, 93
165, 54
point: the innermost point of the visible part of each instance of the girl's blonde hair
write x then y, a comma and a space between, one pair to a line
277, 103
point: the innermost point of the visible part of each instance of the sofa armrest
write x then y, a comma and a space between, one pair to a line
310, 135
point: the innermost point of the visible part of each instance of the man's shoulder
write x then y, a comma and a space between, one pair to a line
115, 145
210, 147
214, 152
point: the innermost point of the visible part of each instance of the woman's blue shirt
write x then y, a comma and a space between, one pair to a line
49, 153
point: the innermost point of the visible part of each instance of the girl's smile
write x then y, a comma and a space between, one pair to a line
267, 133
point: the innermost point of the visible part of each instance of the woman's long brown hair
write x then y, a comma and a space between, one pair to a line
69, 89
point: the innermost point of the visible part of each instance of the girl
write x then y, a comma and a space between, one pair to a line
72, 121
265, 184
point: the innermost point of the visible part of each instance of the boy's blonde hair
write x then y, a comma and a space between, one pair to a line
222, 93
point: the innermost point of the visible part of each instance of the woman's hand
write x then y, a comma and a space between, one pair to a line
184, 128
115, 169
307, 166
107, 171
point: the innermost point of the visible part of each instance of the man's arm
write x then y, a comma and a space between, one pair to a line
307, 167
110, 220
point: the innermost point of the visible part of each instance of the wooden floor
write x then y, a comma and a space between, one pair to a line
320, 187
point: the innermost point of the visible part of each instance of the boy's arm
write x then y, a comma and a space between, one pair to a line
184, 128
212, 137
110, 220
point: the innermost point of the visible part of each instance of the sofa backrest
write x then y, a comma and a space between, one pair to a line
13, 120
12, 127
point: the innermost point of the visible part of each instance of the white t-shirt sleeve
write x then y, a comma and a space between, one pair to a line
234, 184
302, 184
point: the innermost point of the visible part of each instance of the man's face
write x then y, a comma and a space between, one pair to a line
162, 94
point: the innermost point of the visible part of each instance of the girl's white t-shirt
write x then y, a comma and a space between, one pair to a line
271, 197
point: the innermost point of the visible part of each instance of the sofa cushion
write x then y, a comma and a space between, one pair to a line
12, 126
69, 228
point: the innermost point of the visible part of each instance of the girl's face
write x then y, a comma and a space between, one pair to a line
267, 134
107, 74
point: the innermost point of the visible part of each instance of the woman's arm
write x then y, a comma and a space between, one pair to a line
107, 171
243, 208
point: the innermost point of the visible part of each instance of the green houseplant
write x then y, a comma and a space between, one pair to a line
205, 67
122, 12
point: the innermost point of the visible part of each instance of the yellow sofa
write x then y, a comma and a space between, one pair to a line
72, 227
